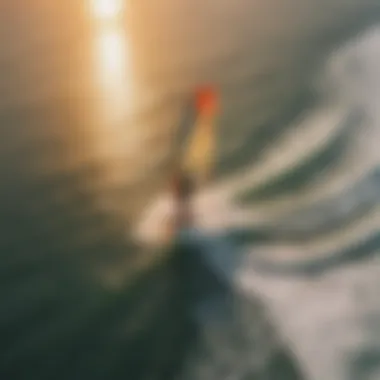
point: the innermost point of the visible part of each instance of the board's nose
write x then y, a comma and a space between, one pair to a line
206, 100
198, 157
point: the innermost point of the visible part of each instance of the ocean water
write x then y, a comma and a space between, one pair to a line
91, 96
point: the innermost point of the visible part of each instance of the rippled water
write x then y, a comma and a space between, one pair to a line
91, 93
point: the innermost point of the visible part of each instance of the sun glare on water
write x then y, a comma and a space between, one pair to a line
113, 76
113, 72
107, 9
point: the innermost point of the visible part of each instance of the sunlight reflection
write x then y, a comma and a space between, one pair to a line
112, 61
113, 67
113, 71
113, 76
106, 9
